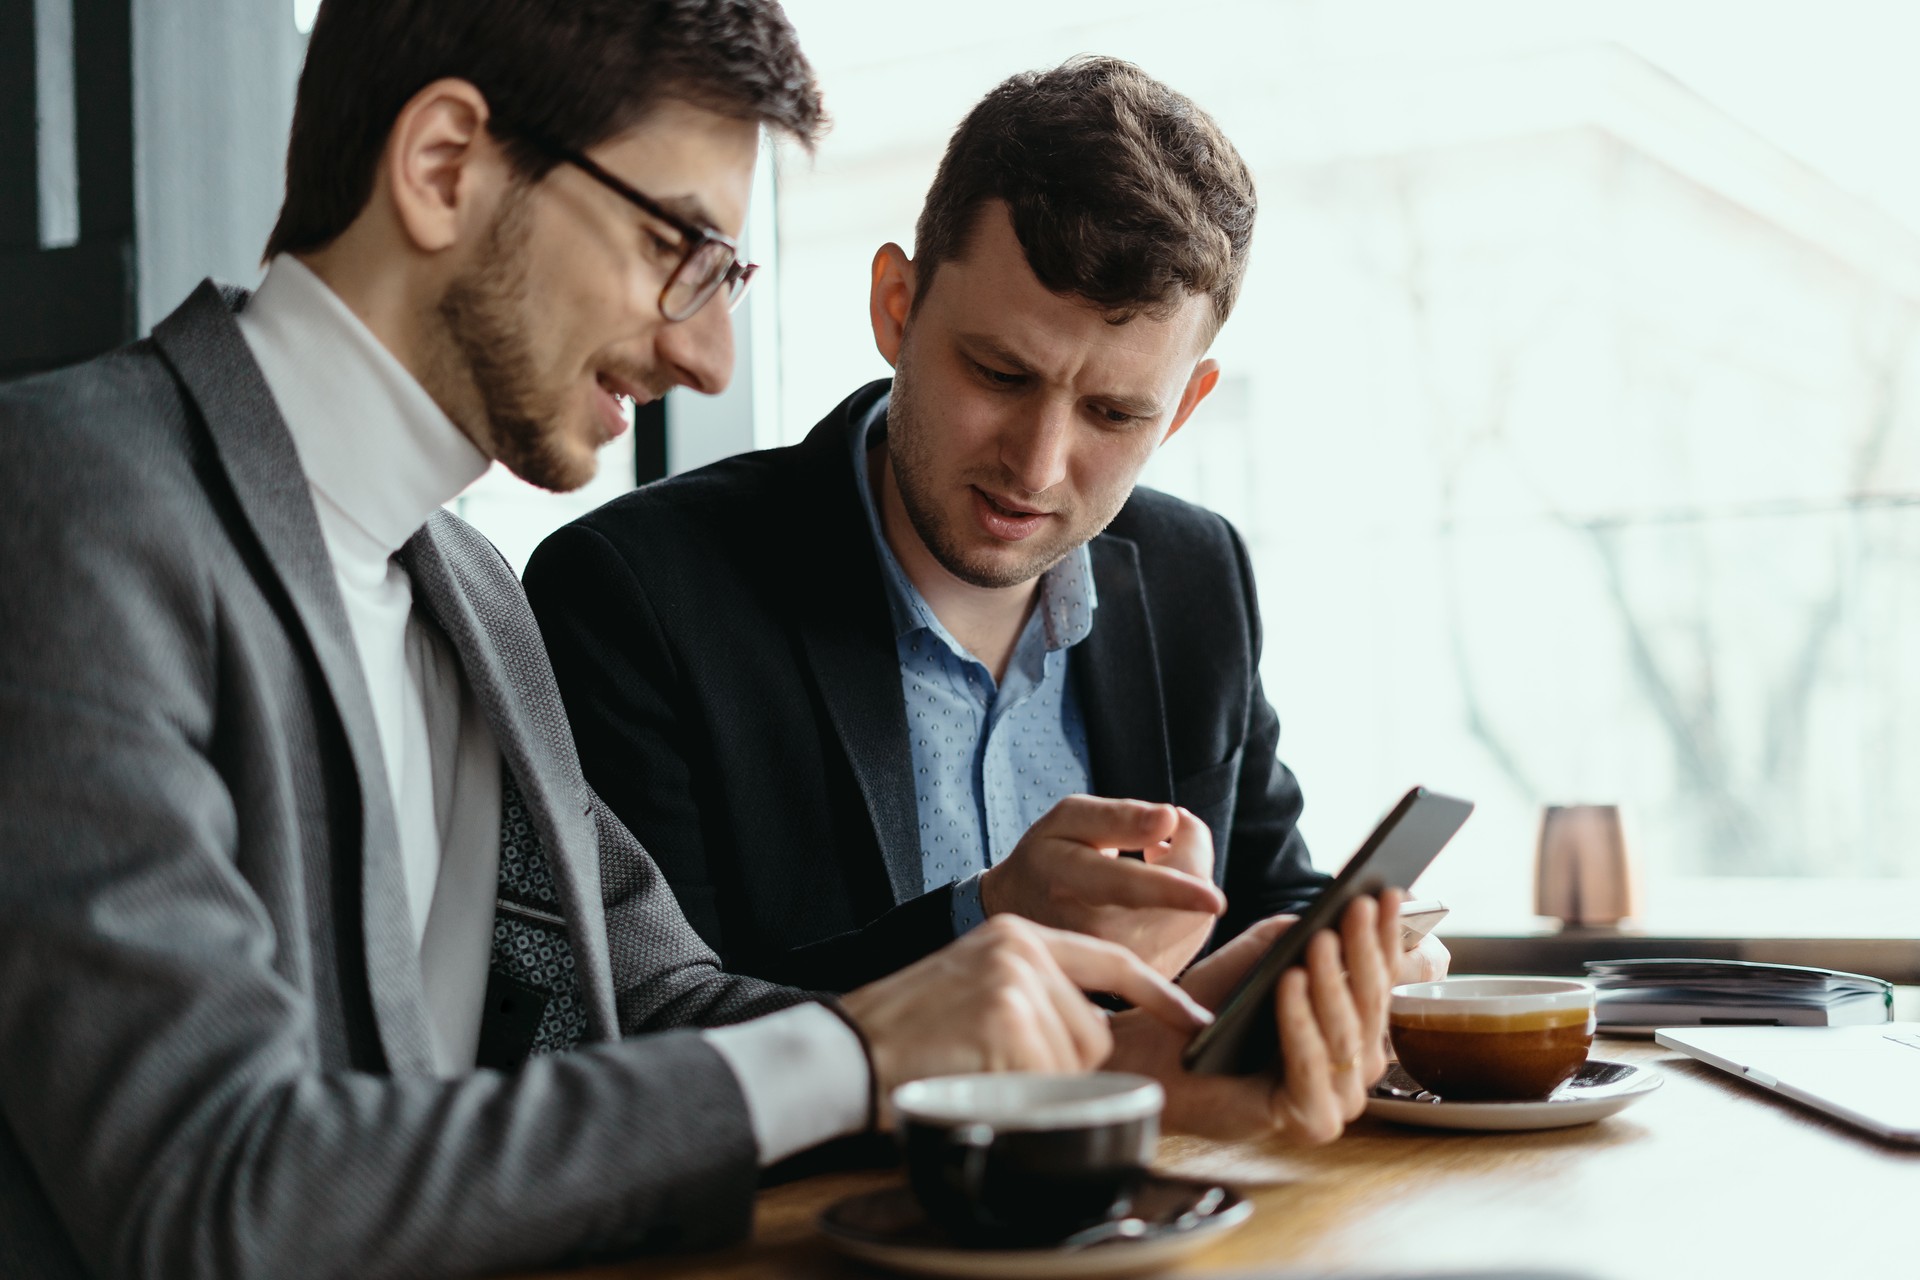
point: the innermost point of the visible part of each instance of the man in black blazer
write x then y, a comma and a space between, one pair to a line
744, 650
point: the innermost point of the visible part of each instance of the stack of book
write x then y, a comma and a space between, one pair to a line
1640, 996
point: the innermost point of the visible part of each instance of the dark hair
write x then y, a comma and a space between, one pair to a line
1122, 191
571, 72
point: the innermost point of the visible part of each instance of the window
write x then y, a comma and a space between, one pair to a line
1571, 409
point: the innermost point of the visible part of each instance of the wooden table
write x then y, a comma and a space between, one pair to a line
1706, 1178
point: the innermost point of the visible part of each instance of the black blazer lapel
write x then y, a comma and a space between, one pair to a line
560, 812
203, 344
846, 630
1116, 674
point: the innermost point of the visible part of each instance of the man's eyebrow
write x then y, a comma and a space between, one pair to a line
981, 345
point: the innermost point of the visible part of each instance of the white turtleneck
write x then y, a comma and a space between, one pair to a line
379, 456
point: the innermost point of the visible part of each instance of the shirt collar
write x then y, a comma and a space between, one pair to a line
1067, 596
369, 437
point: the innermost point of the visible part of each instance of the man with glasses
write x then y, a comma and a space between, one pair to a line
318, 956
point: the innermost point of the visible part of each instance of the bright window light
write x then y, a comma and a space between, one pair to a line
1569, 408
303, 11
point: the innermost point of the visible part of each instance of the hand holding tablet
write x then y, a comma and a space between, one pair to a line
1244, 1037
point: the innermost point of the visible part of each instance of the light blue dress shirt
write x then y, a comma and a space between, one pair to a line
988, 760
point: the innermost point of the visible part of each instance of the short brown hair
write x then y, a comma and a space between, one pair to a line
1122, 191
571, 72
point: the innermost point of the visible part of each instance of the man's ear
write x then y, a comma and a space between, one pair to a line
892, 299
443, 171
1205, 375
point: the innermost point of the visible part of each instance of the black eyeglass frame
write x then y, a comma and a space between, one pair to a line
735, 278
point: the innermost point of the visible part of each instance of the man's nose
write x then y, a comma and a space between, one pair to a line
1035, 450
698, 351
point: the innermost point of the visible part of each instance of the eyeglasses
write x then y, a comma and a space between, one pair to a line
709, 261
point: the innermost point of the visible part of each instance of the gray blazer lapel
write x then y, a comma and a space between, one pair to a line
1116, 673
204, 346
460, 579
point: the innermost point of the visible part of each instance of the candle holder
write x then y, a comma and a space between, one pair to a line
1583, 874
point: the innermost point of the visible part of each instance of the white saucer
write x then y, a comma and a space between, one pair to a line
1596, 1091
888, 1229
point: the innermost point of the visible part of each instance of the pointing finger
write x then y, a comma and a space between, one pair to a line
1107, 824
1122, 882
1190, 850
1096, 965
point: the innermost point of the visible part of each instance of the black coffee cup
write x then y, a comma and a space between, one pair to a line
1022, 1160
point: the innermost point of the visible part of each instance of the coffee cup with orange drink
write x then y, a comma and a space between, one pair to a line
1488, 1039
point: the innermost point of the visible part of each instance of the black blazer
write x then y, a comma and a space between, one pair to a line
724, 648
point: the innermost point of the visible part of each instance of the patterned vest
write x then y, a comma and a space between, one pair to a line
534, 1004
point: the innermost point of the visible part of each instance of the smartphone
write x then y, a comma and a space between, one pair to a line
1244, 1037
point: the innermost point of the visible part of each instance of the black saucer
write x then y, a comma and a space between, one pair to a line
1175, 1216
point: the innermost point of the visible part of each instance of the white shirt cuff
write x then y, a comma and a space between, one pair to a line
804, 1074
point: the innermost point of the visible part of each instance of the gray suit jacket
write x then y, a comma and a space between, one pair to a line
214, 1053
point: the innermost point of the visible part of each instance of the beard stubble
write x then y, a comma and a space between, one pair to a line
483, 317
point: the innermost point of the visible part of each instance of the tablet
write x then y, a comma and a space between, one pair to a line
1244, 1037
